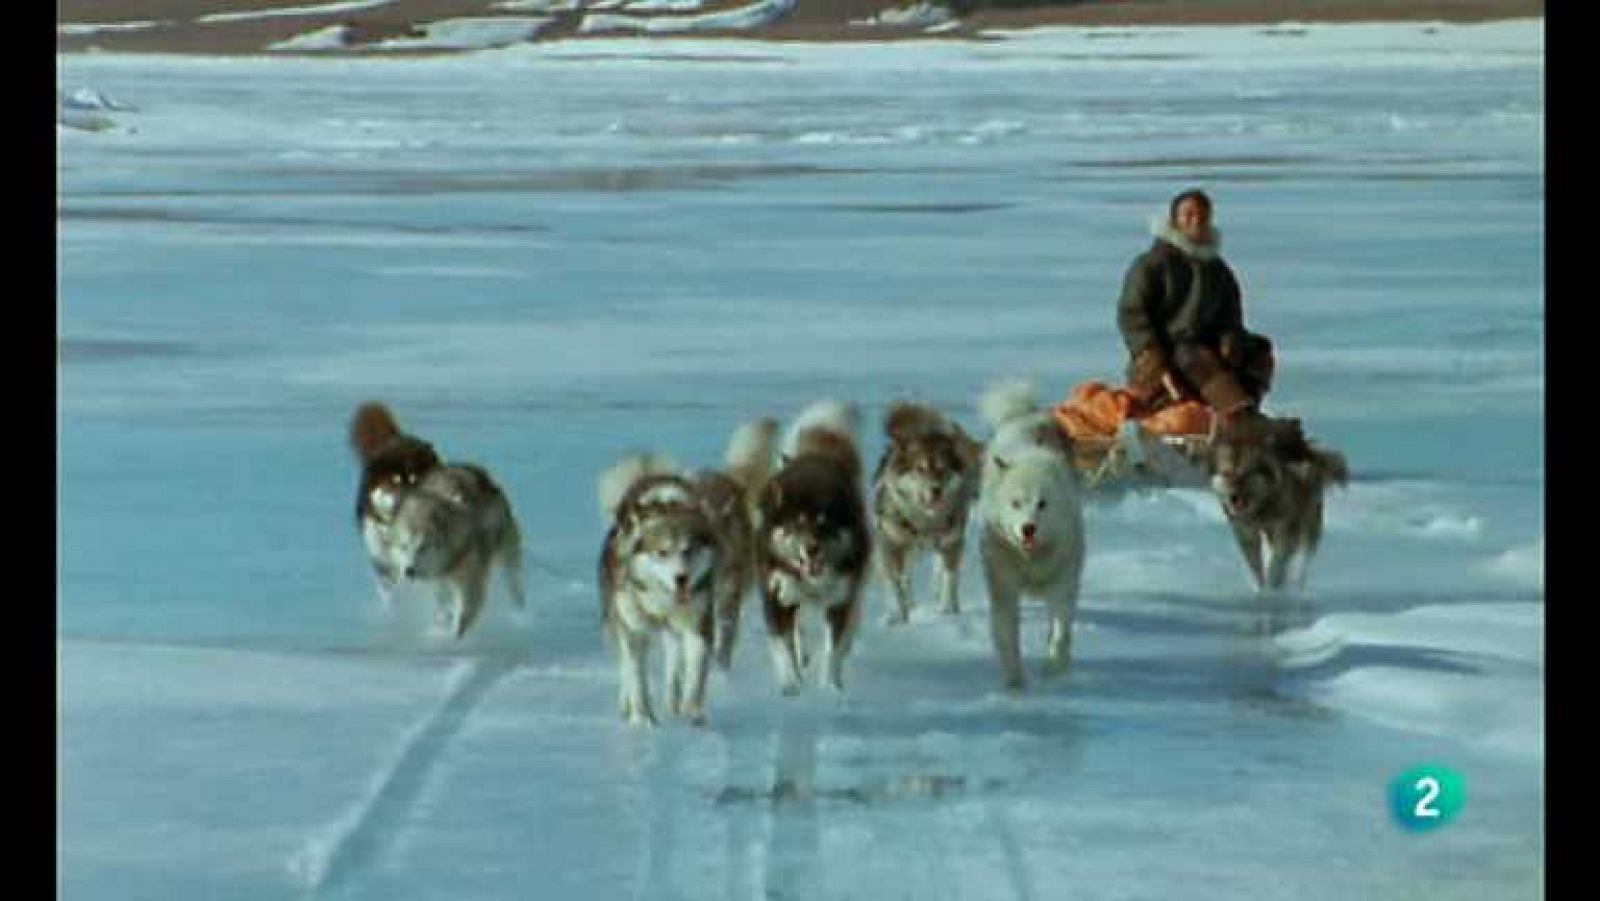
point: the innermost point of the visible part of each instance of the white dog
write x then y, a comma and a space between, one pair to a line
1032, 516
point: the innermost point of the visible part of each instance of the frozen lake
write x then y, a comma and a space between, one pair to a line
547, 256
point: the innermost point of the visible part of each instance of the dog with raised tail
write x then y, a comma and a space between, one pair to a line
1030, 502
677, 560
1271, 480
813, 546
922, 492
423, 520
391, 461
731, 496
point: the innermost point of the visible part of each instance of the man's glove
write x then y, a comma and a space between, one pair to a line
1231, 350
1150, 377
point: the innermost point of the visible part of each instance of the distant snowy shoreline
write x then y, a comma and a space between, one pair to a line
408, 27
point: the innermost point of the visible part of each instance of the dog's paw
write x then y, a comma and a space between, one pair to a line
789, 689
1014, 685
949, 608
1054, 666
896, 618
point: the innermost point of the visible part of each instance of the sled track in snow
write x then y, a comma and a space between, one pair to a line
793, 857
344, 848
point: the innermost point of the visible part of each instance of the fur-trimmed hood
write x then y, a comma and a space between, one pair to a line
1161, 228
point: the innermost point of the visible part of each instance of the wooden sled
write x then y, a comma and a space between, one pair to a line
1136, 459
1114, 452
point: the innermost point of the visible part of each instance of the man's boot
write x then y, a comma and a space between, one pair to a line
1231, 404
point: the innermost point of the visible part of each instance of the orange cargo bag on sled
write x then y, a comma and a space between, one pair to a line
1097, 410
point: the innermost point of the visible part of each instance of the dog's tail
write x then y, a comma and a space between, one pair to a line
1331, 465
1007, 400
826, 428
823, 415
616, 481
748, 458
372, 427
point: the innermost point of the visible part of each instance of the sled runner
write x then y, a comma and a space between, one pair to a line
1116, 450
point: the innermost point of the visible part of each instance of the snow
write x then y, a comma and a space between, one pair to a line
320, 9
546, 256
751, 15
330, 38
927, 14
470, 33
538, 6
1523, 565
1473, 669
78, 28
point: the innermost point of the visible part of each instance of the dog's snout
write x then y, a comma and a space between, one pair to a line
1028, 530
411, 572
681, 580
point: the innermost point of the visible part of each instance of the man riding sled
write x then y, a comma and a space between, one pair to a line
1182, 318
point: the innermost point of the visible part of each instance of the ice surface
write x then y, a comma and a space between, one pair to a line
547, 256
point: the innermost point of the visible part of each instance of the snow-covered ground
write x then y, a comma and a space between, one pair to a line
545, 256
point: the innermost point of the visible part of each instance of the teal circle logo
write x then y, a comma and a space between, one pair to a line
1426, 797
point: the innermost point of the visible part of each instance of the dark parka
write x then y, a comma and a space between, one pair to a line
1172, 296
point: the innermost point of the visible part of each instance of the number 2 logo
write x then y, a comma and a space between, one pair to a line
1428, 786
1426, 797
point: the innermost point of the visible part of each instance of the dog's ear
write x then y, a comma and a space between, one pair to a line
1050, 434
970, 451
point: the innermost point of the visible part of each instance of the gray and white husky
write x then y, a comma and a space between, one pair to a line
450, 528
1033, 535
1270, 480
678, 560
922, 491
813, 545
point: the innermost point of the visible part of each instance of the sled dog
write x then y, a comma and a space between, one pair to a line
678, 559
813, 544
1270, 480
391, 461
1033, 537
424, 521
922, 492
